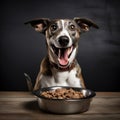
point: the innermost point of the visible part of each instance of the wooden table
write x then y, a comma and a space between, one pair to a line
24, 106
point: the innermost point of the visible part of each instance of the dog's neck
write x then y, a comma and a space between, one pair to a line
69, 68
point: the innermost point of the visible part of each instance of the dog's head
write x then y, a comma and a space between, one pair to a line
62, 37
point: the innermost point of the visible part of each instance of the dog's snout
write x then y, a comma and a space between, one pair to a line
63, 41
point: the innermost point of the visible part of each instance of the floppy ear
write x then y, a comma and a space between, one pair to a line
40, 25
85, 24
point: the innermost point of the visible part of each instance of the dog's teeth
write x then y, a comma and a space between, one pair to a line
69, 50
59, 52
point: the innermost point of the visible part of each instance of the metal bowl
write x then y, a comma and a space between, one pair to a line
65, 106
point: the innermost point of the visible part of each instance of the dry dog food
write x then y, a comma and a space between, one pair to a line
62, 93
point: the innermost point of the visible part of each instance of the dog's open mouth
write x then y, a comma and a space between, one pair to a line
63, 54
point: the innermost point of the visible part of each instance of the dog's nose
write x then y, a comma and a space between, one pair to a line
63, 41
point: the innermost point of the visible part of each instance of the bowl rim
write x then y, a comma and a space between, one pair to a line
38, 92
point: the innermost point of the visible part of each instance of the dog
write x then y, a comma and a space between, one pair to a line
60, 67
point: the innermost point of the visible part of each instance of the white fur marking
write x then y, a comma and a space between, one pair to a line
65, 32
61, 79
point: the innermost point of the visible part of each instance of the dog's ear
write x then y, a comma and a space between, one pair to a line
40, 25
85, 24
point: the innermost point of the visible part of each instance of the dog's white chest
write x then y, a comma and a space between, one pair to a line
64, 78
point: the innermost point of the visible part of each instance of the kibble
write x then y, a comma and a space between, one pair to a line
62, 93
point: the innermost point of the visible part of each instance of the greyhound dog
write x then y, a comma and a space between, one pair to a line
60, 67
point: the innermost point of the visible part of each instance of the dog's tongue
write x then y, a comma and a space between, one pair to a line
63, 56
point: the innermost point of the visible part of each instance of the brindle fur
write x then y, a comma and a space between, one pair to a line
49, 75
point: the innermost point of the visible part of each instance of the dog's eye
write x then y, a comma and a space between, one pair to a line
72, 27
53, 27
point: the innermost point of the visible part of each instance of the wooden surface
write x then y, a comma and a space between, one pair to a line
24, 106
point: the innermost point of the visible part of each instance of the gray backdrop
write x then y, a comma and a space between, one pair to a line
22, 49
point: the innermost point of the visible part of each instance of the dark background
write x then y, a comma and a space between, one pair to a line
22, 49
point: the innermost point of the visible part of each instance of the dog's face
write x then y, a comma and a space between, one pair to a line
62, 37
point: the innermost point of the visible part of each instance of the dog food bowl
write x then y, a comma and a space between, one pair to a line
65, 106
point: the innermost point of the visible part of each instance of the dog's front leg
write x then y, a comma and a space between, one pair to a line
79, 75
44, 75
75, 78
